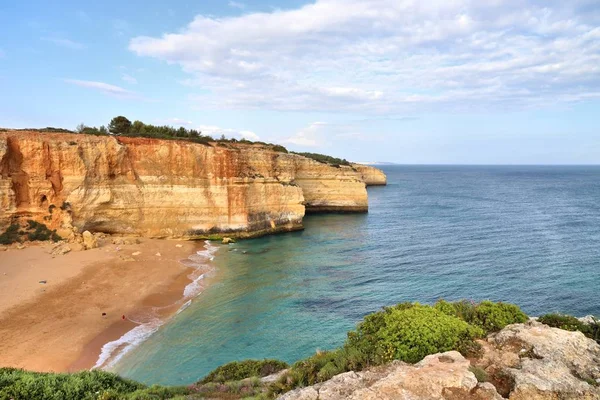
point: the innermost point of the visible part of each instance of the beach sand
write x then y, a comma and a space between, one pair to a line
58, 326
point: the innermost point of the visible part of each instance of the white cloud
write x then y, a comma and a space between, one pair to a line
104, 88
390, 56
311, 136
66, 43
235, 4
176, 121
129, 79
216, 132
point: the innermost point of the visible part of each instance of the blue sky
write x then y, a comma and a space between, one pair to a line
459, 82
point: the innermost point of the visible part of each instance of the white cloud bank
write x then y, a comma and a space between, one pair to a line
391, 56
104, 88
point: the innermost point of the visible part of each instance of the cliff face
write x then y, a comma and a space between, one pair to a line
161, 188
371, 175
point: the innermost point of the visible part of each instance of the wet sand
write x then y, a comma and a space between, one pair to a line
58, 326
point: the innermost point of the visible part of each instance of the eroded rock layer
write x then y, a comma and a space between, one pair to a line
162, 188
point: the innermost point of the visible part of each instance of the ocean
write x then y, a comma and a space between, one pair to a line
523, 234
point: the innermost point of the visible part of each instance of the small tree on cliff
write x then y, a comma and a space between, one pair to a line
119, 125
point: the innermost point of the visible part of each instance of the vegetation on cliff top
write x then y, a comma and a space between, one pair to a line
121, 126
407, 331
324, 159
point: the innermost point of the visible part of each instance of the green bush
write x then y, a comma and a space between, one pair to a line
279, 148
487, 315
41, 232
18, 384
238, 370
410, 333
570, 323
10, 235
406, 332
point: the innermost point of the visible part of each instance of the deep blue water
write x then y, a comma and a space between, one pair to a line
528, 235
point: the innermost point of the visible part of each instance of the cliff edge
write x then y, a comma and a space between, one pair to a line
166, 188
528, 361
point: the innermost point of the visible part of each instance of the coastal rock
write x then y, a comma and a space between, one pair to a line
528, 361
89, 240
166, 189
541, 362
227, 240
60, 249
439, 376
371, 176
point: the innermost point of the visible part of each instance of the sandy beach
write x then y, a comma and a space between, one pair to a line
59, 325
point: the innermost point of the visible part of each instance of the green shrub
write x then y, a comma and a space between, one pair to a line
487, 315
18, 384
570, 323
411, 333
10, 235
41, 232
279, 148
238, 370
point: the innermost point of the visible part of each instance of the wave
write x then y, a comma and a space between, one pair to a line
149, 321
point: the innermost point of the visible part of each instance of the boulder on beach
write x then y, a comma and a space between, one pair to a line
89, 240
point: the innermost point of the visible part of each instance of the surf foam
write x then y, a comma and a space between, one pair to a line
113, 351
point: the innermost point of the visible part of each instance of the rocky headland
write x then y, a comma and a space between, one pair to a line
168, 188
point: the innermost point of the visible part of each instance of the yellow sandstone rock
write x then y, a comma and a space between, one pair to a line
165, 188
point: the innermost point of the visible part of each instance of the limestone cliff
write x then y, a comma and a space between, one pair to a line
161, 188
371, 175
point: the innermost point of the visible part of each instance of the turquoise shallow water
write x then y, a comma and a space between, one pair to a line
529, 235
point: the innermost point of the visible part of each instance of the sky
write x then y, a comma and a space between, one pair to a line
406, 81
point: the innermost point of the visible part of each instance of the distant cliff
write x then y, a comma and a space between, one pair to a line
167, 188
371, 176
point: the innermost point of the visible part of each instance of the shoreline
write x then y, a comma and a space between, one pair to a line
59, 325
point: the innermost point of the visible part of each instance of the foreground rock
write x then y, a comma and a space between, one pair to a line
89, 241
534, 361
522, 362
439, 376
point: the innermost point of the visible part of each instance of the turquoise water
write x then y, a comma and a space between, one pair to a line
529, 235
